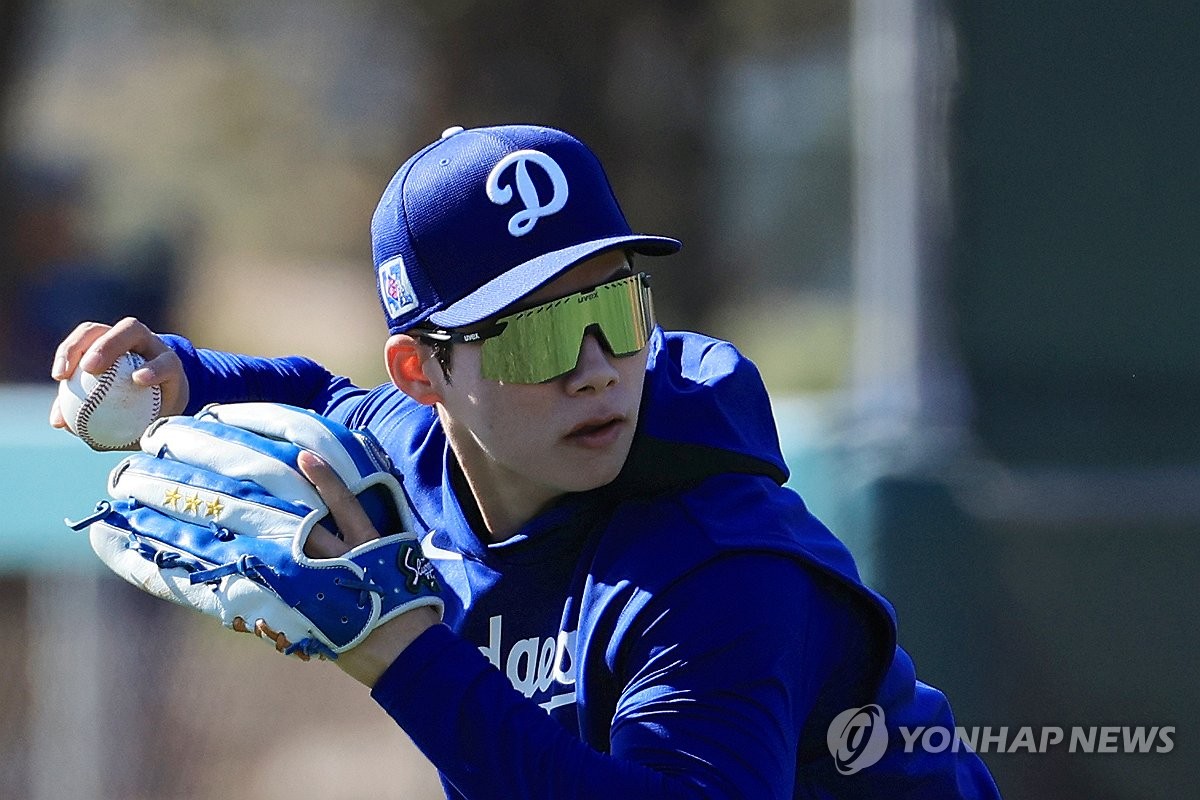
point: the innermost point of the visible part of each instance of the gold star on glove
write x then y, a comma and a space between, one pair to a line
192, 504
172, 498
213, 508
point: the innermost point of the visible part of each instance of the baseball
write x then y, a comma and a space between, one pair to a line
108, 411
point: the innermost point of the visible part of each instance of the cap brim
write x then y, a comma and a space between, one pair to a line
501, 292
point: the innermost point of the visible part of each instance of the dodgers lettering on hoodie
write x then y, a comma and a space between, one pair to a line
689, 631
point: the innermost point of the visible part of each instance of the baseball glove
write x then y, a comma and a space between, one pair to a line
214, 515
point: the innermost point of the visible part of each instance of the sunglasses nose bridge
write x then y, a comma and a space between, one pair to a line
595, 330
593, 365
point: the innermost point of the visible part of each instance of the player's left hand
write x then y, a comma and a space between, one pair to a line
366, 662
219, 514
352, 521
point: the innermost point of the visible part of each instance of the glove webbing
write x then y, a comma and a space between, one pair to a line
246, 565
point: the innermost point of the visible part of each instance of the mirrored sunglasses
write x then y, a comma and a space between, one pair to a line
541, 343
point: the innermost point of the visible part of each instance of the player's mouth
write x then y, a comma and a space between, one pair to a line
598, 432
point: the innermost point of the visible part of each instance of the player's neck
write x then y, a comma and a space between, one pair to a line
496, 502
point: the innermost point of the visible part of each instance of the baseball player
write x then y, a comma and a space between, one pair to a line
634, 606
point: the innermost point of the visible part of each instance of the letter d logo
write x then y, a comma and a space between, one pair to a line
857, 738
523, 221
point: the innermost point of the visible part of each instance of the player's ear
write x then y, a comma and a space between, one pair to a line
406, 358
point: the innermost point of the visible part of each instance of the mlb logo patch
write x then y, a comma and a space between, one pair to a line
397, 293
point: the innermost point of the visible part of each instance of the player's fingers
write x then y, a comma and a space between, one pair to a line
129, 335
352, 521
323, 544
165, 371
162, 368
72, 348
56, 417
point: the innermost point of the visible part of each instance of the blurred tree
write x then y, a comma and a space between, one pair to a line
14, 17
1079, 223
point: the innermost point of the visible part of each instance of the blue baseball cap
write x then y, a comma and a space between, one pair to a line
482, 217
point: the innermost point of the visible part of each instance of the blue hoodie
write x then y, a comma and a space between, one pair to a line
689, 631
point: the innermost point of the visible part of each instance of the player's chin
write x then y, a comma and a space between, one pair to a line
591, 469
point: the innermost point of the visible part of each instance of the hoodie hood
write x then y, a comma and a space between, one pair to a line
704, 411
706, 419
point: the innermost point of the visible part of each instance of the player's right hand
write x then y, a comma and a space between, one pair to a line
94, 346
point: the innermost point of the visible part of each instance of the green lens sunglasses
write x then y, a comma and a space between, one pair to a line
541, 343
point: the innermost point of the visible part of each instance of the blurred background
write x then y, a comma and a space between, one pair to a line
958, 237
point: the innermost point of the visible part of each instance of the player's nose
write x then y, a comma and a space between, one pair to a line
594, 371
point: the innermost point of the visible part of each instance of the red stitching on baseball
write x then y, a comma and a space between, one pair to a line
104, 382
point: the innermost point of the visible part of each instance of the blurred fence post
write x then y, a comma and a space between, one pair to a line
68, 739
